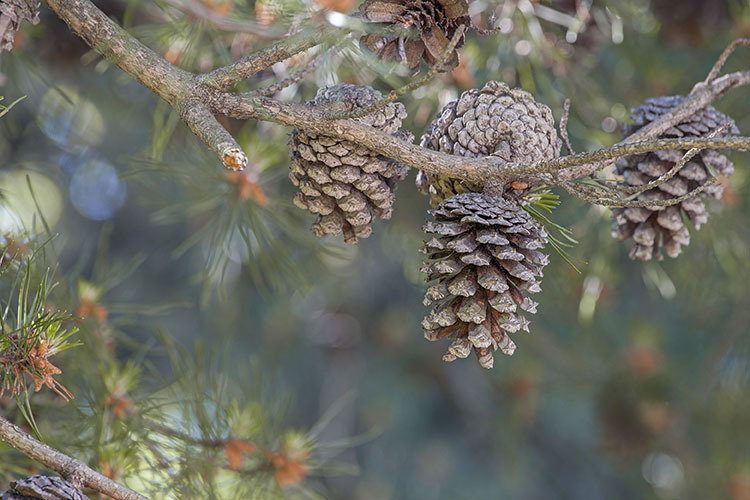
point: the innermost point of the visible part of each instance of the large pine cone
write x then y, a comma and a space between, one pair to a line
655, 228
495, 120
485, 257
343, 182
12, 13
436, 21
44, 487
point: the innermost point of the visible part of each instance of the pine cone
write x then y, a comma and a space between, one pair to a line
12, 12
44, 487
343, 182
655, 227
436, 21
485, 256
495, 120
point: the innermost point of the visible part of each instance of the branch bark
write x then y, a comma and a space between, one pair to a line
69, 468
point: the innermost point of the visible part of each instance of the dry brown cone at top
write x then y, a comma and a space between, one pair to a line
435, 22
12, 13
485, 258
44, 487
654, 228
344, 183
494, 120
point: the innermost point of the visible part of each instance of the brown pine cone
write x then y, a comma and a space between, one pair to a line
485, 257
12, 13
654, 228
495, 120
436, 21
44, 487
344, 183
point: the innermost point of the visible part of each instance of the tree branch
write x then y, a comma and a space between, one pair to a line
177, 87
64, 465
204, 125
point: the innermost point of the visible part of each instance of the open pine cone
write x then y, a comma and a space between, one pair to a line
12, 13
485, 257
343, 182
44, 487
435, 20
655, 228
494, 120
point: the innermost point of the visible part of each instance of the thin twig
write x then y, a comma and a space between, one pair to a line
228, 76
67, 467
576, 191
291, 80
744, 42
636, 190
395, 94
564, 126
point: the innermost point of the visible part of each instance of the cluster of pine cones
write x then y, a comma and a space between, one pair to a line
484, 250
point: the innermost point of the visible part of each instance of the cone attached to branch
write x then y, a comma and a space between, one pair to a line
655, 228
494, 120
484, 259
433, 22
346, 184
44, 487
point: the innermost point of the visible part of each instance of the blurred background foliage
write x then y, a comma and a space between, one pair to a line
225, 350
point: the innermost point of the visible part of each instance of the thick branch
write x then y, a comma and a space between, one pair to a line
64, 465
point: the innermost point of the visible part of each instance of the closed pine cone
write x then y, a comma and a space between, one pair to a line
655, 228
344, 183
494, 120
485, 257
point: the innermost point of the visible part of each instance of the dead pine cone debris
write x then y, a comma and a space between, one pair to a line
494, 120
44, 487
12, 13
658, 228
433, 22
484, 257
346, 184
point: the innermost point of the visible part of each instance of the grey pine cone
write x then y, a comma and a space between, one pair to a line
44, 487
494, 120
484, 257
654, 229
12, 13
344, 183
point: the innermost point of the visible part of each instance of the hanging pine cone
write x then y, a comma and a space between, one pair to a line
435, 20
485, 257
654, 228
44, 487
495, 120
343, 182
